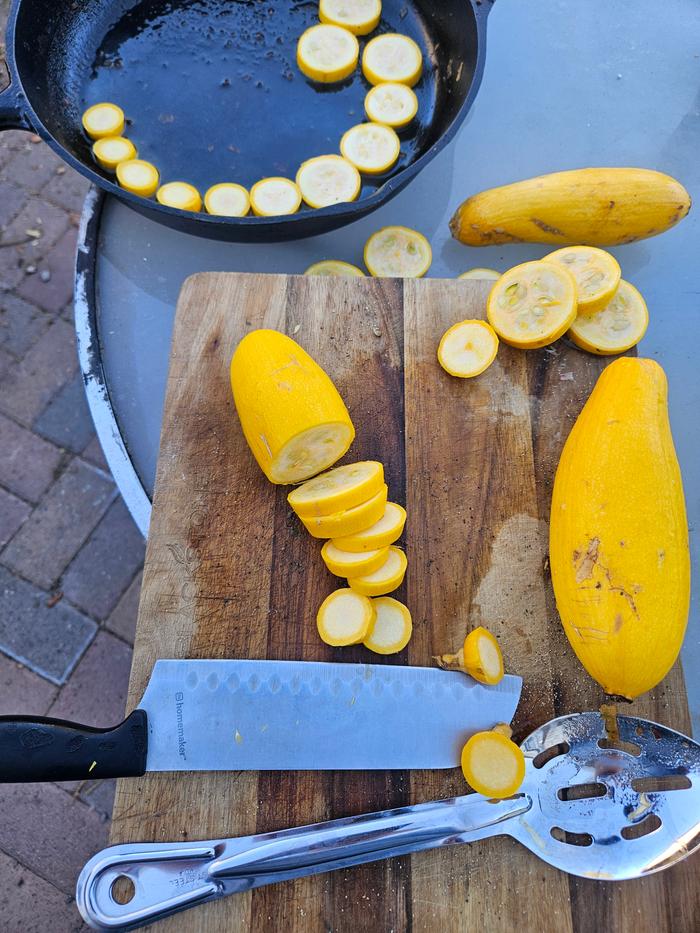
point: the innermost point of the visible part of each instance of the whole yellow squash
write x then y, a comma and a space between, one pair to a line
618, 535
588, 206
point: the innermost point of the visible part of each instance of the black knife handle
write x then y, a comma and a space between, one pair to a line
37, 749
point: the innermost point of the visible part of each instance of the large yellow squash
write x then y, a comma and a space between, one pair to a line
292, 415
589, 206
618, 534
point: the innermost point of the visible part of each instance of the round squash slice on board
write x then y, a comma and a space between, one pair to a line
346, 564
617, 327
341, 488
384, 532
292, 415
348, 521
385, 579
532, 304
618, 544
596, 271
345, 618
392, 627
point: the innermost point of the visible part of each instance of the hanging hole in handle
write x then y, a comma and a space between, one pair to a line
122, 890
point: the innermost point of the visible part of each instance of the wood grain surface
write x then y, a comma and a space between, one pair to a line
231, 574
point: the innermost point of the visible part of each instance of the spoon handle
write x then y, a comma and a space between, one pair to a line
171, 877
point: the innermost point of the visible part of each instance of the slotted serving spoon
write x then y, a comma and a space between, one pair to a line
589, 805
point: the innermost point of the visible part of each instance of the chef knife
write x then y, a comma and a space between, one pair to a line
267, 715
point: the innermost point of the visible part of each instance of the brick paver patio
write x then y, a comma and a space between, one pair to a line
70, 556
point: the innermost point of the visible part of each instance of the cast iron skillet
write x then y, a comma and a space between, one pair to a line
212, 93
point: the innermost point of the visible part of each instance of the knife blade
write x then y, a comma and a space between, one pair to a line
200, 715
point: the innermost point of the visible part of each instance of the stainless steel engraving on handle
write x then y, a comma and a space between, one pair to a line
174, 876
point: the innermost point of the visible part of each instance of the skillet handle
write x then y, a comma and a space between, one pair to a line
12, 115
483, 7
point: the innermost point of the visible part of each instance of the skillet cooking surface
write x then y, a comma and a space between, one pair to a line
212, 91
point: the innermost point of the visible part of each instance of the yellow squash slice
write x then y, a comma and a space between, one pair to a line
292, 415
347, 564
371, 147
532, 304
398, 252
360, 17
345, 618
139, 177
227, 200
327, 53
386, 579
273, 197
488, 275
468, 348
492, 764
348, 521
392, 57
392, 104
480, 656
328, 179
617, 327
388, 529
596, 271
392, 628
341, 488
335, 268
109, 151
103, 119
179, 194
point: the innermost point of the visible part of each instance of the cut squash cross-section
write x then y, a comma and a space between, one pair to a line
348, 521
493, 764
292, 415
345, 618
384, 532
398, 252
341, 488
392, 627
371, 147
617, 327
532, 304
385, 579
597, 274
392, 104
328, 179
392, 57
360, 17
327, 53
468, 348
347, 564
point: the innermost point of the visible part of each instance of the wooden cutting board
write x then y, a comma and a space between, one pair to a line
231, 574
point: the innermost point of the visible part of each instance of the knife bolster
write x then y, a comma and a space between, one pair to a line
33, 748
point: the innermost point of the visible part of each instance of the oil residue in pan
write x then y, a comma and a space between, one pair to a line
212, 91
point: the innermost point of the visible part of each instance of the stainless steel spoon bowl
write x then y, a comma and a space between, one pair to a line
589, 805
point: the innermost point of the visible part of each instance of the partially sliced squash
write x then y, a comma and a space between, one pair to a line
345, 618
341, 488
292, 415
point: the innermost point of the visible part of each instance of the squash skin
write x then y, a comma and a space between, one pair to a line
280, 392
588, 207
618, 544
